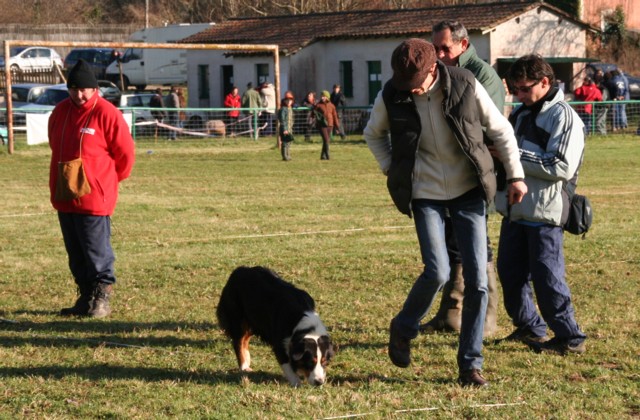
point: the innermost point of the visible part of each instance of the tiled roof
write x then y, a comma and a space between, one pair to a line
293, 32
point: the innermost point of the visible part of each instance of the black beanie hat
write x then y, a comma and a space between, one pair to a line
81, 76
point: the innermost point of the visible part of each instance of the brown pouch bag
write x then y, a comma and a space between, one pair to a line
72, 181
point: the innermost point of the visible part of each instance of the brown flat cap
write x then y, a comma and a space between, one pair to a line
411, 62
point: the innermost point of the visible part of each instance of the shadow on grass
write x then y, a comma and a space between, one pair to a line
149, 374
152, 374
83, 332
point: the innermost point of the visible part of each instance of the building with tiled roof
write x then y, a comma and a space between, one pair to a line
354, 48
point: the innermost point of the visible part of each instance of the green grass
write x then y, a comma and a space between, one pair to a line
194, 210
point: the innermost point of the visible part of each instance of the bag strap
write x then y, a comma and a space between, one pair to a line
86, 124
570, 186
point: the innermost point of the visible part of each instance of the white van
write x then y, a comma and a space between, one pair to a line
150, 66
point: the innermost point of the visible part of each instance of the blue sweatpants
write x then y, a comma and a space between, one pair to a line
533, 255
87, 240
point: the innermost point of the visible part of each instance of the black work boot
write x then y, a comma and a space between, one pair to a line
100, 305
399, 347
83, 303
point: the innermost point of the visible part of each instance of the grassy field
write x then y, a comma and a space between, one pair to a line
194, 210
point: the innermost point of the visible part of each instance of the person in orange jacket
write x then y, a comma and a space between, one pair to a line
326, 119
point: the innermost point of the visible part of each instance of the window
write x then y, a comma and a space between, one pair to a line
375, 79
262, 71
132, 54
346, 78
227, 80
203, 81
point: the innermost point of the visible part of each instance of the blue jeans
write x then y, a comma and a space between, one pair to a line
533, 255
470, 229
87, 240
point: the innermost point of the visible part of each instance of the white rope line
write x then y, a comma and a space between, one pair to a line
415, 410
26, 214
314, 232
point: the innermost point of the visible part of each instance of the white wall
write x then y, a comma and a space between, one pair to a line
538, 31
244, 71
317, 66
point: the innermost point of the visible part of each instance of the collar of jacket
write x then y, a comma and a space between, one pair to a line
536, 107
466, 56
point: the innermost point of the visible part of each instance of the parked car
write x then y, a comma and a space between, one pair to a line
138, 100
54, 94
3, 134
98, 58
110, 92
45, 103
634, 87
31, 58
25, 93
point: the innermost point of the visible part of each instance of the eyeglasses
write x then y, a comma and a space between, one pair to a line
445, 49
524, 89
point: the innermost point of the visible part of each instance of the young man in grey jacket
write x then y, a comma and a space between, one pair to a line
551, 141
426, 131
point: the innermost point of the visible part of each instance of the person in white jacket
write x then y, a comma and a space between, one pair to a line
426, 131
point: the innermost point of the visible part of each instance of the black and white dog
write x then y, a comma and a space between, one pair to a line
256, 301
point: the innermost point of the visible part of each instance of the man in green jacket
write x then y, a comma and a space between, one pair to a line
451, 41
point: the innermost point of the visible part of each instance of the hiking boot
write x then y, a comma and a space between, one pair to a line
100, 307
472, 377
523, 335
491, 318
558, 346
82, 305
399, 347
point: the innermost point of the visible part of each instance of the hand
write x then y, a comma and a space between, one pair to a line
516, 192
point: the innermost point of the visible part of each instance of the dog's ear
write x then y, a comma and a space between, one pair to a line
327, 347
296, 350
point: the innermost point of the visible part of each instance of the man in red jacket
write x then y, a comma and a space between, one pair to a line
88, 127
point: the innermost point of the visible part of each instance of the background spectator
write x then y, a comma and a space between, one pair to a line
173, 107
339, 101
588, 92
234, 102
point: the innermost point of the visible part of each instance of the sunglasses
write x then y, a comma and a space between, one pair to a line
445, 49
523, 89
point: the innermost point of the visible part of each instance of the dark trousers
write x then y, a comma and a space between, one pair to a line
339, 129
325, 133
533, 255
87, 240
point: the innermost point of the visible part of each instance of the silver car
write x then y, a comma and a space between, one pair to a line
31, 58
